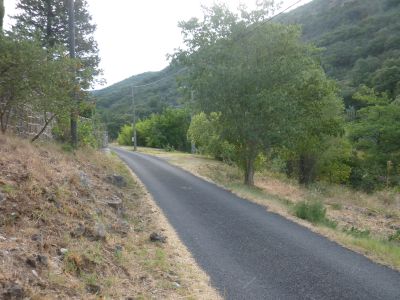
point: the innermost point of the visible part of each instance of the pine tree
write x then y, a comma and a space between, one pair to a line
48, 20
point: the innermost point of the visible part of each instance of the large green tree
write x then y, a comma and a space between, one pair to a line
48, 21
250, 71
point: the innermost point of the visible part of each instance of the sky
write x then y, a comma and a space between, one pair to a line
135, 36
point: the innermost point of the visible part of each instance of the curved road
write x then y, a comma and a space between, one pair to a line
250, 253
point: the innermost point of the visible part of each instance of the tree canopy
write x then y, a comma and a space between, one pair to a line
259, 78
47, 20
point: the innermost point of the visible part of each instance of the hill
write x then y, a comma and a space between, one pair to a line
77, 226
115, 101
360, 41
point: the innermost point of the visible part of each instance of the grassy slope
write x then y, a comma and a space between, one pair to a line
378, 214
48, 194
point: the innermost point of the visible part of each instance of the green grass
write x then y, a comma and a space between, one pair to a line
355, 232
384, 251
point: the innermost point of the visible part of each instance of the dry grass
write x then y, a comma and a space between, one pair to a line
377, 213
49, 194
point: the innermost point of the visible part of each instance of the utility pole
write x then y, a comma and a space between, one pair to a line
193, 145
1, 15
134, 122
71, 28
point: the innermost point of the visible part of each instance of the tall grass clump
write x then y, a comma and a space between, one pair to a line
314, 212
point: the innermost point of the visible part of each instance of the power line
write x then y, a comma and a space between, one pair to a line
272, 18
159, 80
253, 28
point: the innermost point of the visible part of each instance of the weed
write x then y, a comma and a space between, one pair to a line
118, 256
314, 212
7, 188
95, 254
395, 237
336, 206
90, 278
72, 263
353, 231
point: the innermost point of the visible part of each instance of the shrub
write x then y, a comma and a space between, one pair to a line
125, 136
314, 212
395, 237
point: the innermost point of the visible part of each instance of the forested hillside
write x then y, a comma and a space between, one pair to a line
360, 39
361, 45
115, 102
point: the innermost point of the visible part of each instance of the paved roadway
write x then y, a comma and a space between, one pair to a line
250, 253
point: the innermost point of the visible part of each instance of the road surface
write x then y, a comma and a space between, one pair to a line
250, 253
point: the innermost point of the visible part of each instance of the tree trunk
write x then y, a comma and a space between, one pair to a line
1, 15
249, 167
306, 169
43, 129
249, 171
4, 121
289, 170
74, 113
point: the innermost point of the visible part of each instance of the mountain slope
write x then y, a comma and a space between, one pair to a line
360, 43
360, 40
115, 102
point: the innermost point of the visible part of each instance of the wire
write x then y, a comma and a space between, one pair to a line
273, 17
161, 79
253, 28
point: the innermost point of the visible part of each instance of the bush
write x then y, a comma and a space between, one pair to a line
315, 212
125, 136
395, 237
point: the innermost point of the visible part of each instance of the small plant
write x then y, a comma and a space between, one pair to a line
395, 237
7, 188
336, 206
358, 233
314, 212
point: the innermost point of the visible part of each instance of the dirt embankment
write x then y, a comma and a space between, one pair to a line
78, 226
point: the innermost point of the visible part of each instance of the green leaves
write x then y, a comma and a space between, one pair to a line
262, 81
30, 82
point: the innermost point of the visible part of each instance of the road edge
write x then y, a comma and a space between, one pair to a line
204, 288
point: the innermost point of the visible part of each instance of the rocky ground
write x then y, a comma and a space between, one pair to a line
80, 226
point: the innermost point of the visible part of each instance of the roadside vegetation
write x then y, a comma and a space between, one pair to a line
270, 125
366, 223
78, 225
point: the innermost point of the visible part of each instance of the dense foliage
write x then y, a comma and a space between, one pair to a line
361, 41
265, 85
359, 47
166, 130
47, 84
115, 102
47, 20
38, 77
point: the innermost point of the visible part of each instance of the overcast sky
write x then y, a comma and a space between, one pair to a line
135, 36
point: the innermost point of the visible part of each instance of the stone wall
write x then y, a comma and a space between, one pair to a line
29, 124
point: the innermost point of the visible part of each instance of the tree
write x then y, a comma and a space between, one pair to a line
318, 118
249, 72
30, 82
376, 136
166, 130
48, 21
205, 132
1, 14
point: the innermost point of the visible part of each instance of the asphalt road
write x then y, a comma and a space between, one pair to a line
250, 253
